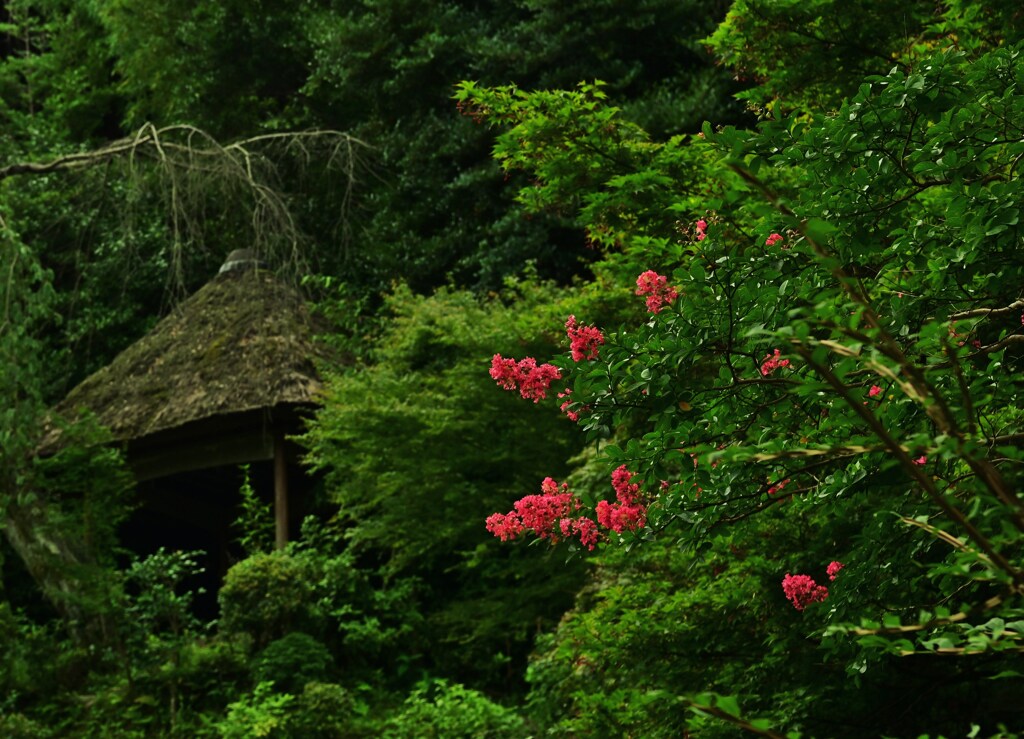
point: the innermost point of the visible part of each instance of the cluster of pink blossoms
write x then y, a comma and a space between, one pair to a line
549, 515
702, 229
554, 513
530, 379
583, 340
773, 239
771, 363
875, 390
629, 513
659, 293
582, 527
801, 590
541, 513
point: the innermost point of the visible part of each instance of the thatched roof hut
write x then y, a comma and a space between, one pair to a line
217, 382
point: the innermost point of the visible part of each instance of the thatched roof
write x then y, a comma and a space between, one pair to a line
243, 342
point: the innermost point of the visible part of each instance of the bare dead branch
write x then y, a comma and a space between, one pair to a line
192, 171
1015, 307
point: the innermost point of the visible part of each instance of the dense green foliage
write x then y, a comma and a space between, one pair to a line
830, 373
877, 247
416, 458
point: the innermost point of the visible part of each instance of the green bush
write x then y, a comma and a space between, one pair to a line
415, 461
266, 596
449, 711
293, 661
326, 711
19, 726
321, 711
264, 713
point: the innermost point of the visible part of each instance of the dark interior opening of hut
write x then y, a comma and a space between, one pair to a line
199, 510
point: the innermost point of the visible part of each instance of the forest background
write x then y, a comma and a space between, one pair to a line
790, 451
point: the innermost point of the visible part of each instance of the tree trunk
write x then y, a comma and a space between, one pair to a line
79, 588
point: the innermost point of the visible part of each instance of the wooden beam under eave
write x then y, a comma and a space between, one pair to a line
280, 493
216, 443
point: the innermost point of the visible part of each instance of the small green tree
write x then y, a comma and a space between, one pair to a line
254, 525
412, 436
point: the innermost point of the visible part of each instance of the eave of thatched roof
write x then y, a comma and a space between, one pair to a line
243, 342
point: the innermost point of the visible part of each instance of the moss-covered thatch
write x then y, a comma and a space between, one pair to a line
241, 343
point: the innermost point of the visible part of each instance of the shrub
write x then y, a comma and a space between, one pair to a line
266, 596
321, 711
292, 661
449, 711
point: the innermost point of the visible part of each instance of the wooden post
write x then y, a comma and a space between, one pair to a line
280, 493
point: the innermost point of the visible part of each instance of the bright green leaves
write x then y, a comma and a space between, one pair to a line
588, 162
808, 56
420, 446
553, 135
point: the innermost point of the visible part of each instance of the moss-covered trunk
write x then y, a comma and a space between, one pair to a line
59, 560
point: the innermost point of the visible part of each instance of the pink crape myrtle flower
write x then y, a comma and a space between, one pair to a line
702, 229
532, 380
583, 340
619, 517
541, 513
777, 487
875, 390
628, 513
626, 491
771, 363
506, 526
505, 372
566, 406
550, 515
921, 461
659, 293
773, 239
801, 590
833, 569
535, 380
581, 527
